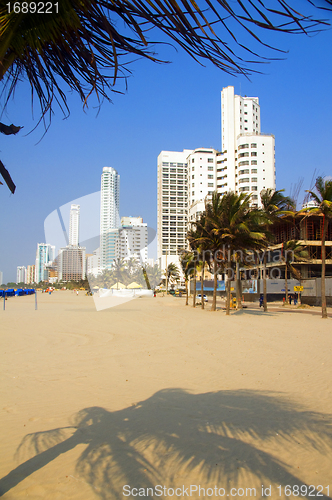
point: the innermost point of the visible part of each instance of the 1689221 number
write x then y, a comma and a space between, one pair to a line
303, 490
33, 7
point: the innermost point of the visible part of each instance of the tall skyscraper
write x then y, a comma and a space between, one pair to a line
74, 225
247, 161
172, 212
71, 262
45, 254
1, 278
109, 216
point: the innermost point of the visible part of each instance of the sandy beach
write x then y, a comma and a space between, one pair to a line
156, 393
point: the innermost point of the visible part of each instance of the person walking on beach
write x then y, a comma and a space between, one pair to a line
261, 300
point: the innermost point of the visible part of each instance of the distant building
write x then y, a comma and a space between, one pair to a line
93, 263
71, 263
74, 225
1, 278
45, 254
21, 274
133, 239
30, 275
109, 216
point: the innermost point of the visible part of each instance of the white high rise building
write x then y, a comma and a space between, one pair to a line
109, 216
202, 180
247, 161
74, 225
21, 274
172, 212
45, 255
133, 239
1, 278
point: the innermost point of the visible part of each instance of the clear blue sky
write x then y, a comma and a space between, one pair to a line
166, 107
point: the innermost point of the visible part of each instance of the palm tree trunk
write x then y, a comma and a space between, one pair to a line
264, 284
215, 284
323, 293
202, 283
194, 293
238, 287
286, 283
187, 295
228, 289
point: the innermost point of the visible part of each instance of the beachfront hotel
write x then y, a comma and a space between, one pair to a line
247, 160
109, 216
186, 179
172, 215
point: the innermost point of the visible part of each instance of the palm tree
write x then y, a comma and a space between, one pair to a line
323, 199
172, 274
240, 230
274, 205
84, 44
293, 252
119, 270
187, 262
205, 240
152, 275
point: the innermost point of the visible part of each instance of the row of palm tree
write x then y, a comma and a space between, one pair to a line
229, 229
126, 272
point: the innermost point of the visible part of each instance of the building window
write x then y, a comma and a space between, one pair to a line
242, 181
210, 176
254, 188
253, 153
241, 155
210, 168
210, 184
245, 162
254, 179
243, 146
254, 170
193, 160
245, 171
210, 160
254, 162
245, 188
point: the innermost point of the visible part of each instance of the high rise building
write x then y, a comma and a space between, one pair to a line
133, 239
74, 225
109, 216
71, 263
247, 161
202, 179
21, 274
30, 274
1, 278
172, 212
45, 255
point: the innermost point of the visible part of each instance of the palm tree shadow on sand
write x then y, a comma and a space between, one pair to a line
217, 436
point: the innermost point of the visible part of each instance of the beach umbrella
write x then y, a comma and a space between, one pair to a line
118, 286
134, 285
95, 288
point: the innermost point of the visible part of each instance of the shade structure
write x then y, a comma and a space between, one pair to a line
134, 285
95, 288
118, 286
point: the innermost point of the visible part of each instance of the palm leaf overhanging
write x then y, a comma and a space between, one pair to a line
86, 46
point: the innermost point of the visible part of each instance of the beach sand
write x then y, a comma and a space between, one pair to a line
156, 393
